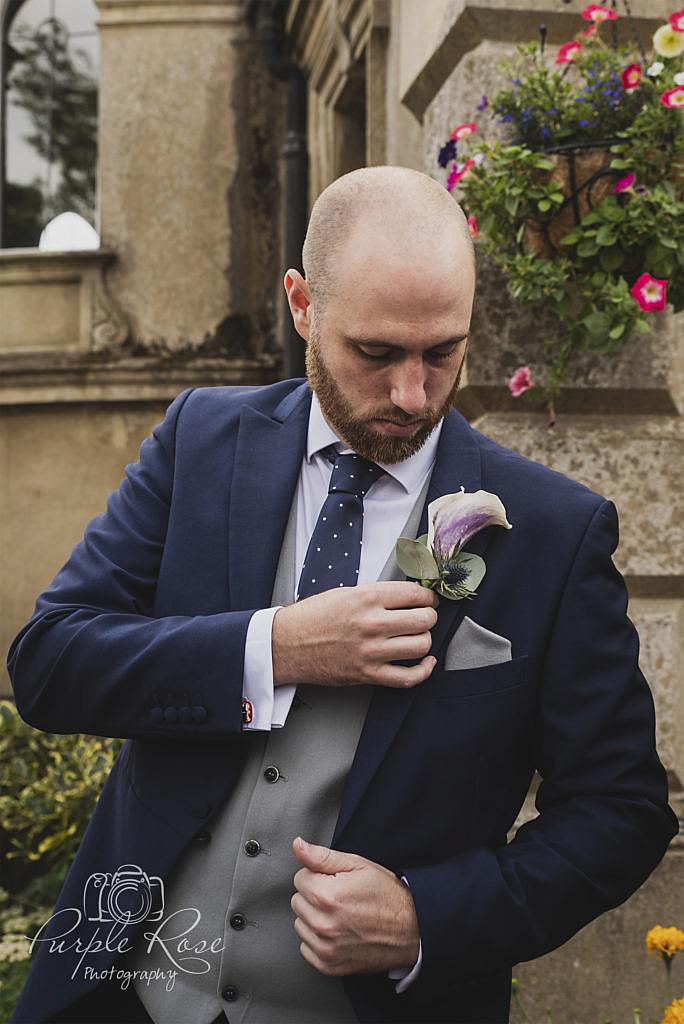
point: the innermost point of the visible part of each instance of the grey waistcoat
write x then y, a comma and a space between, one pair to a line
260, 958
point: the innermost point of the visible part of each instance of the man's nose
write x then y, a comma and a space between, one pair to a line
408, 386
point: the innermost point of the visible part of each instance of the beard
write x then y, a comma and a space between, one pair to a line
365, 441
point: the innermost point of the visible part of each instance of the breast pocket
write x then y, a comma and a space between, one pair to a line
488, 680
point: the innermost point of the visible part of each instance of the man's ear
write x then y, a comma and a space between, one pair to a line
299, 301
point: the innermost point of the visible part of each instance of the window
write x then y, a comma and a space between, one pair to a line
48, 95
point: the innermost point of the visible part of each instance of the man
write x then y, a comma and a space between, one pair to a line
406, 752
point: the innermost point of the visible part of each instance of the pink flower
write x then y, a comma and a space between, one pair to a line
677, 21
472, 226
597, 13
624, 183
463, 131
673, 97
590, 30
567, 53
520, 381
631, 77
457, 173
649, 292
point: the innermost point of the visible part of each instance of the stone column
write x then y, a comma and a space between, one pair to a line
176, 194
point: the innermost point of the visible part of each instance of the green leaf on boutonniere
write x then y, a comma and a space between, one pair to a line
416, 560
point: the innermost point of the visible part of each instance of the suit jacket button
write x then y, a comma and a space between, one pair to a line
157, 715
199, 713
170, 714
202, 838
271, 773
230, 993
237, 922
184, 714
252, 847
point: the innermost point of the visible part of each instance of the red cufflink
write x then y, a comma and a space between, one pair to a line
247, 711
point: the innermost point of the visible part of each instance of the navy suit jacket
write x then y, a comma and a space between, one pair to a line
141, 635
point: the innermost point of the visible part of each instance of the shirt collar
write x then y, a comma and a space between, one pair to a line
410, 473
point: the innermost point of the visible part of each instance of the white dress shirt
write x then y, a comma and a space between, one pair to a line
386, 507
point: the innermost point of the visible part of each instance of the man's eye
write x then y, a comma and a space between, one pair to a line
375, 354
440, 356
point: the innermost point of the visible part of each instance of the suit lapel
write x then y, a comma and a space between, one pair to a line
458, 463
268, 457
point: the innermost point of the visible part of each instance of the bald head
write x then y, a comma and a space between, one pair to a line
378, 214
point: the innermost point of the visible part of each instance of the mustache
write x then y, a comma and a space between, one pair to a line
403, 419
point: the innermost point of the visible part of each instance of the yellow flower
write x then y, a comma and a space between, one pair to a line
667, 42
666, 941
674, 1013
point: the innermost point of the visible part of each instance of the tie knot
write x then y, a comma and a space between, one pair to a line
352, 474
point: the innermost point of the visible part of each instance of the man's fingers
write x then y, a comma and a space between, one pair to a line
409, 621
400, 594
406, 676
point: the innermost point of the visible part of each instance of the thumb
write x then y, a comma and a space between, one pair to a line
323, 859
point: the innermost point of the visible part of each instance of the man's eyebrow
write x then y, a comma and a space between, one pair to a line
373, 343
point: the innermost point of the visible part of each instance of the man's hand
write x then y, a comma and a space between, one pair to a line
353, 916
350, 635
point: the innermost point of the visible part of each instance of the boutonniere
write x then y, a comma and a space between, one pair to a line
436, 559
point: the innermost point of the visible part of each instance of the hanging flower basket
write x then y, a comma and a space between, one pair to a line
581, 203
582, 173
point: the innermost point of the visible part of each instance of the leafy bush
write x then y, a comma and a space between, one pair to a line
48, 789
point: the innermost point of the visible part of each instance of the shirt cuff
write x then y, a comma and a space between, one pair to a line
268, 707
407, 974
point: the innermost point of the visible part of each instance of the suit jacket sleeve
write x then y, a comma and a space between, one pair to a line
603, 822
94, 658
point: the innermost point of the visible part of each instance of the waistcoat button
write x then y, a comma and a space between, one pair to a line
230, 993
202, 838
252, 847
271, 774
237, 922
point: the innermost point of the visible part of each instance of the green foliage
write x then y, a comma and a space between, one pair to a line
48, 789
520, 193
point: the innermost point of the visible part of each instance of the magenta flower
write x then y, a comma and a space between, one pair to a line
472, 226
457, 173
462, 131
649, 292
520, 381
624, 183
567, 53
677, 21
673, 97
597, 13
631, 77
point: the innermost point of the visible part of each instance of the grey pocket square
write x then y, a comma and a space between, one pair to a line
473, 646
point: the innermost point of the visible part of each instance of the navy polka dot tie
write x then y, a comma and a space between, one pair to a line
334, 552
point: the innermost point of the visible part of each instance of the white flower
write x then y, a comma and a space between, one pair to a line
655, 68
679, 78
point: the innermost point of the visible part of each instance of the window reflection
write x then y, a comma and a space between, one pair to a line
50, 70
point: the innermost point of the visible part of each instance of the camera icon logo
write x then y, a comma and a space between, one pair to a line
128, 895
